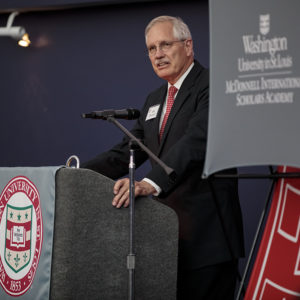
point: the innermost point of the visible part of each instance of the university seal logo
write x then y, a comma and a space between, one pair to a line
21, 235
264, 24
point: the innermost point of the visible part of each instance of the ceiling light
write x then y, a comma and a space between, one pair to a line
16, 32
25, 41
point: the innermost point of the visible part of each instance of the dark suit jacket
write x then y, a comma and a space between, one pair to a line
183, 145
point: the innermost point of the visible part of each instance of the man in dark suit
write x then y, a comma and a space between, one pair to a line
173, 125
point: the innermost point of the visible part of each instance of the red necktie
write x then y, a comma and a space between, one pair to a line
170, 101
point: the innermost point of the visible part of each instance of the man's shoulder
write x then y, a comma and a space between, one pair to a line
198, 77
200, 71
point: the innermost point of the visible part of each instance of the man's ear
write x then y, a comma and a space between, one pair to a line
189, 47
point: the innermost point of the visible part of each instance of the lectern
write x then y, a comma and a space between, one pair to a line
91, 242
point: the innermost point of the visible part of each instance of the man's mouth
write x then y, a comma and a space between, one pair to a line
162, 64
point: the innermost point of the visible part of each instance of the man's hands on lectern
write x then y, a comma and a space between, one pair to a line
121, 191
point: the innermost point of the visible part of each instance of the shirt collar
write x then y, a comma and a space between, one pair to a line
181, 79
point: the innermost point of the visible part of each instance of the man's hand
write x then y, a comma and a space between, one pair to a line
121, 191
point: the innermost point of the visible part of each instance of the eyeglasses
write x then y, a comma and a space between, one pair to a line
163, 46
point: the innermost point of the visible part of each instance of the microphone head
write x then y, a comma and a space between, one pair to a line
133, 114
84, 116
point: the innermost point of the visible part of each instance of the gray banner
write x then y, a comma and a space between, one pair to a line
254, 84
27, 204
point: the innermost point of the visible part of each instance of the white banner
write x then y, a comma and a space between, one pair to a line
254, 84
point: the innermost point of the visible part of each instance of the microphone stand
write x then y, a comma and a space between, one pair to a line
169, 171
131, 255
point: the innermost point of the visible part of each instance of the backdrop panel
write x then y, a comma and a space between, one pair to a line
255, 84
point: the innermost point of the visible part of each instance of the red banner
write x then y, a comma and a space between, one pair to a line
276, 272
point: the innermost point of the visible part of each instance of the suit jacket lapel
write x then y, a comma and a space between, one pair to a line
179, 101
160, 97
181, 97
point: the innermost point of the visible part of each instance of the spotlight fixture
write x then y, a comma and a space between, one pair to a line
25, 41
16, 32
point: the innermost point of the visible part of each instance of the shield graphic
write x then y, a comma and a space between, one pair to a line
18, 237
264, 24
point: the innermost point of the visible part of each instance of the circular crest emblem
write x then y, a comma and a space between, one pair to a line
21, 235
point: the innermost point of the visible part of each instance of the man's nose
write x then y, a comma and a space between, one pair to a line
159, 52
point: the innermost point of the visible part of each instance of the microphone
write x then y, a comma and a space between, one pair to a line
128, 114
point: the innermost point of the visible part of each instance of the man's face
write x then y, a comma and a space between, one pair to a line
171, 63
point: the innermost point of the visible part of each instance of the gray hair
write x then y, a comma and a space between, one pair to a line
180, 29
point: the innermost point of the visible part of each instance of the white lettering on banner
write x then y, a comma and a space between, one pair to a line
271, 63
234, 86
280, 83
263, 98
263, 45
264, 57
250, 65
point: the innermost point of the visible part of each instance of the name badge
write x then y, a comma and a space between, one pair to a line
152, 112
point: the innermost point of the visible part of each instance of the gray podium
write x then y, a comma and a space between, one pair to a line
91, 242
